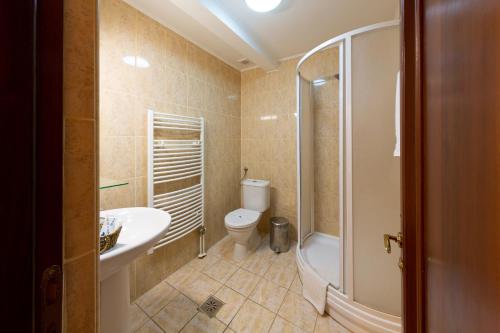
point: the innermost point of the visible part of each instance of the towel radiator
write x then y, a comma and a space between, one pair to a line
176, 173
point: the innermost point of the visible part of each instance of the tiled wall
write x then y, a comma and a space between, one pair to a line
324, 65
80, 312
181, 79
268, 141
268, 135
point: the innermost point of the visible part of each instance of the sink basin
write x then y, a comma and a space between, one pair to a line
142, 228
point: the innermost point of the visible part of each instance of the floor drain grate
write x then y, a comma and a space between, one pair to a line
211, 306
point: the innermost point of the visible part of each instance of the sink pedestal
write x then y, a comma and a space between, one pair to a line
142, 228
115, 302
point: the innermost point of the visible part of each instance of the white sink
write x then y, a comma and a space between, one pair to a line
142, 228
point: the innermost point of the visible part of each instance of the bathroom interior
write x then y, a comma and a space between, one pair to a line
269, 167
250, 166
226, 147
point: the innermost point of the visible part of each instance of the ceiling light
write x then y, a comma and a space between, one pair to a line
263, 5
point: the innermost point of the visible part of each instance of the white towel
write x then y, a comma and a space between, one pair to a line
314, 288
397, 107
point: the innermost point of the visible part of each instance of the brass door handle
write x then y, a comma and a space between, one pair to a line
388, 238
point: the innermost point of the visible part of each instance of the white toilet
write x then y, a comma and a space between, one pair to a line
241, 224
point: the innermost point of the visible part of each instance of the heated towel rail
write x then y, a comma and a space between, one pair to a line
176, 173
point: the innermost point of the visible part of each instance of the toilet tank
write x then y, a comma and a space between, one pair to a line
256, 194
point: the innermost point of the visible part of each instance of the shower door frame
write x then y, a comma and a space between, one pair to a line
343, 302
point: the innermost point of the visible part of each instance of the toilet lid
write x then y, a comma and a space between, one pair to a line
241, 218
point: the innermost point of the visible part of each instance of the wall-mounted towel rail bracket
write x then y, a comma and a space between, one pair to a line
176, 173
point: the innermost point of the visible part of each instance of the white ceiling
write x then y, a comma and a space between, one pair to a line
231, 31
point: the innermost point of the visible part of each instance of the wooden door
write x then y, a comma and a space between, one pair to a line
451, 169
31, 131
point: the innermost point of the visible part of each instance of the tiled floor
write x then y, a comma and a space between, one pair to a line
262, 293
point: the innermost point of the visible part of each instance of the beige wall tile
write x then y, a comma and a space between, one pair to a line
181, 79
268, 121
80, 304
79, 182
79, 59
80, 291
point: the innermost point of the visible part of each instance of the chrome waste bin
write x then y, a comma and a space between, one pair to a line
279, 239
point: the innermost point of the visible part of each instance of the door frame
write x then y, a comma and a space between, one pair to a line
411, 166
31, 78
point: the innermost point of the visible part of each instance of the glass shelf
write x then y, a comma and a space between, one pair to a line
110, 183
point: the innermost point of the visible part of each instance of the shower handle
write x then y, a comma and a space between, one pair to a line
388, 238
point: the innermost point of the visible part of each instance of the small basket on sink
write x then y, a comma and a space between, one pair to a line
106, 242
107, 239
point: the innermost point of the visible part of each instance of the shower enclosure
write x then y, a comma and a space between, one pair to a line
349, 174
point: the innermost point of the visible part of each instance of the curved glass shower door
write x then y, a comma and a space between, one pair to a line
375, 169
319, 83
349, 173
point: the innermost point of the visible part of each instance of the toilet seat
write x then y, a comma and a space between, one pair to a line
241, 218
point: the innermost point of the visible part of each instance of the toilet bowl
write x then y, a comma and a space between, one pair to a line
241, 224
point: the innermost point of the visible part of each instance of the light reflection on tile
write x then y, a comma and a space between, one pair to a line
127, 92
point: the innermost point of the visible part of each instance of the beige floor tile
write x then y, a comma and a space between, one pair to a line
228, 255
221, 270
137, 317
281, 273
243, 282
264, 250
298, 311
269, 295
155, 299
201, 323
296, 286
252, 318
221, 246
176, 314
199, 287
257, 264
229, 330
150, 327
325, 324
280, 325
180, 276
232, 303
287, 257
200, 264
